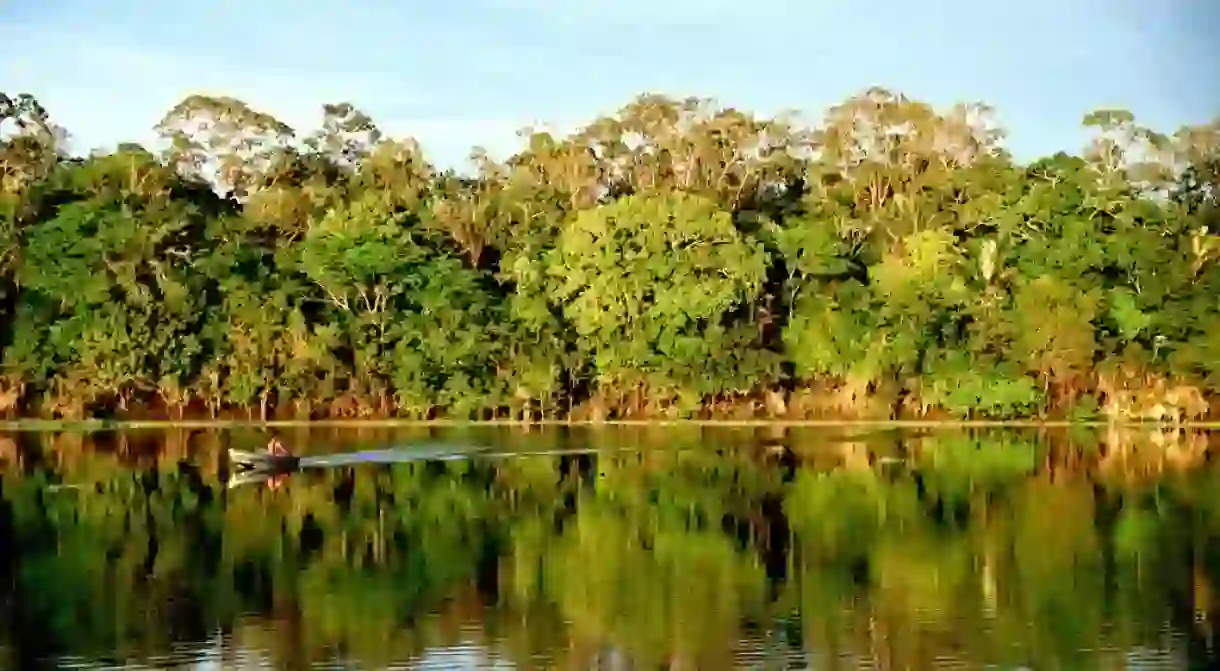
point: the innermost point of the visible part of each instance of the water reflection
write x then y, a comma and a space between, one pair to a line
679, 548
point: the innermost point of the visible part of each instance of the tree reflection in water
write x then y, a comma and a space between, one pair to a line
679, 547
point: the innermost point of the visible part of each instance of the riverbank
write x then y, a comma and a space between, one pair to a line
32, 424
1149, 399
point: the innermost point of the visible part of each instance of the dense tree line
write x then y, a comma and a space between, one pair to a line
674, 259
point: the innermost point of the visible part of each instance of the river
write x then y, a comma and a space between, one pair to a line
677, 547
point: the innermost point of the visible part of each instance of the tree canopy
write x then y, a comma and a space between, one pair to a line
677, 258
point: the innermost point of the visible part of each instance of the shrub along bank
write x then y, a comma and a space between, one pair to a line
676, 259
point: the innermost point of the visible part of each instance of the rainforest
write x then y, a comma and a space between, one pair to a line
675, 259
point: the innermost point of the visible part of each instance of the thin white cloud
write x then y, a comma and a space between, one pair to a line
105, 94
448, 142
654, 12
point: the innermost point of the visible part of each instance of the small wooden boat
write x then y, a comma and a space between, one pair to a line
274, 458
262, 461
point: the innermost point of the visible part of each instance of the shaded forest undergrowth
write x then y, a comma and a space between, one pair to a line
675, 259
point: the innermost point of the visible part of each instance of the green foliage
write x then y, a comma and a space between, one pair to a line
419, 310
648, 284
672, 259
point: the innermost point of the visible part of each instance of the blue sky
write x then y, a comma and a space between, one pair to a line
465, 72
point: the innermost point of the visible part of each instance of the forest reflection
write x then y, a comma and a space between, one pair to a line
679, 548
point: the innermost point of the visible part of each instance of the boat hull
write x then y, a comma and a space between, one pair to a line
263, 461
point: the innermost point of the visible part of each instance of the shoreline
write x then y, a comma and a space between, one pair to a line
18, 425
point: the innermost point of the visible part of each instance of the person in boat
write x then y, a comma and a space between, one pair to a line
278, 456
275, 457
281, 461
276, 449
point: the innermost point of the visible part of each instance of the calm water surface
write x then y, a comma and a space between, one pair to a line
637, 548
